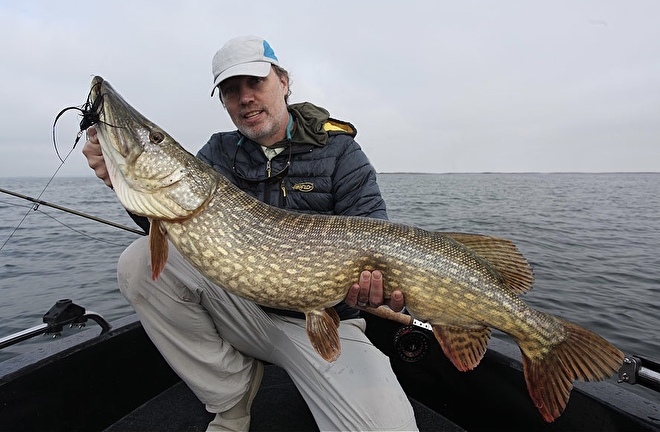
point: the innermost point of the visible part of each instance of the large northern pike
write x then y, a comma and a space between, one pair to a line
462, 284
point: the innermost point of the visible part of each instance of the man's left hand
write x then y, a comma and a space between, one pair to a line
369, 292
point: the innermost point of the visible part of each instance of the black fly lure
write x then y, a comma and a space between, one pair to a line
90, 113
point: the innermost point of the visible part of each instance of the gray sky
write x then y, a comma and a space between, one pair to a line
432, 86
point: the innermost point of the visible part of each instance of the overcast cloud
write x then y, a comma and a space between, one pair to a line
432, 86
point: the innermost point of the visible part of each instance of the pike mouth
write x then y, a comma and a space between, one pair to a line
107, 106
97, 81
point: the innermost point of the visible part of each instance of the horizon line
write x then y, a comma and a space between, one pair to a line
408, 173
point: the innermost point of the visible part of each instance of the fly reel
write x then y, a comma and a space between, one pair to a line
411, 343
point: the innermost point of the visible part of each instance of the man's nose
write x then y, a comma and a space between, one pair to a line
246, 95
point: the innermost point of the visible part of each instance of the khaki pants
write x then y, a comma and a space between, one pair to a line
210, 337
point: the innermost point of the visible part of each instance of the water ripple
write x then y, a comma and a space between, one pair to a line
593, 241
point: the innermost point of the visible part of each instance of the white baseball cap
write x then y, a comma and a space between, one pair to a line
245, 55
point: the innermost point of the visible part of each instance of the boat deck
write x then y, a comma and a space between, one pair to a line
278, 406
118, 381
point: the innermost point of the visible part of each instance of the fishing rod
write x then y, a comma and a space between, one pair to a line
68, 210
86, 121
411, 343
638, 370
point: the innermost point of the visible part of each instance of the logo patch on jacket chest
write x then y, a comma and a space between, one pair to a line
304, 187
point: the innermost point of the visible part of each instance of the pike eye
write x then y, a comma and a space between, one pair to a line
156, 137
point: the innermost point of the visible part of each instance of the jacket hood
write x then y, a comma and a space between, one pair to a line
313, 125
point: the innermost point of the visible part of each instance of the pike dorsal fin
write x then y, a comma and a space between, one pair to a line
158, 247
503, 255
463, 347
323, 333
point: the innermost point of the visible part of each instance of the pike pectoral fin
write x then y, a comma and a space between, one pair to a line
158, 248
464, 347
323, 333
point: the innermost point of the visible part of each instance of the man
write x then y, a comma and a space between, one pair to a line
290, 156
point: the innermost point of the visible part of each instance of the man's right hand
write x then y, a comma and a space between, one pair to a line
92, 151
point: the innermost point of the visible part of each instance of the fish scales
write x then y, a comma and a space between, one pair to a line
411, 260
462, 284
354, 243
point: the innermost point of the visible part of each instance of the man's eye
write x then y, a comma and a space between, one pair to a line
229, 90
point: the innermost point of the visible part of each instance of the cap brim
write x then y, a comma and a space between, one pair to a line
258, 69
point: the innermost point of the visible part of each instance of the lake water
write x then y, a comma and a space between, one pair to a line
592, 239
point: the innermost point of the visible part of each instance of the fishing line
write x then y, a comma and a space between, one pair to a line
35, 207
63, 224
90, 113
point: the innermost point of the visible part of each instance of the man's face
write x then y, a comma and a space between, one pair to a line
257, 107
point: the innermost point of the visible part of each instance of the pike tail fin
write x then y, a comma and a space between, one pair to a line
323, 333
582, 355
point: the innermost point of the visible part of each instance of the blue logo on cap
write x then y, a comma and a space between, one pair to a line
268, 51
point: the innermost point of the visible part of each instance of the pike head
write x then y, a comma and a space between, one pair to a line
151, 173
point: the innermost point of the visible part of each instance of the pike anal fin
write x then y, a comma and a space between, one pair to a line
583, 355
464, 347
323, 333
158, 248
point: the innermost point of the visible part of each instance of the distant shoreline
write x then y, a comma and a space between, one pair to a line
521, 172
426, 173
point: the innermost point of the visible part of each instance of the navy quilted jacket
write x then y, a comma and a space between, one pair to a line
321, 169
319, 172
